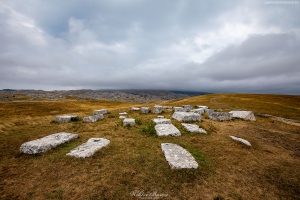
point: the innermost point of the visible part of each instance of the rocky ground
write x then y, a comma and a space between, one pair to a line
113, 95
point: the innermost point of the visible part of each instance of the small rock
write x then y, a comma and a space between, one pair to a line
89, 148
145, 110
98, 112
178, 157
162, 121
167, 130
123, 113
129, 121
160, 116
193, 128
93, 118
157, 109
44, 144
122, 117
186, 116
241, 140
246, 115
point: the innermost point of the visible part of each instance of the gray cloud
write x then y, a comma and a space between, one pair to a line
238, 46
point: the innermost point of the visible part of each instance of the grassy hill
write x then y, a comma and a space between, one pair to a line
133, 163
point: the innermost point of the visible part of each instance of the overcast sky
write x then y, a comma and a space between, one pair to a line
250, 46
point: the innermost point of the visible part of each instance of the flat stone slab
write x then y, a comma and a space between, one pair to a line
89, 148
186, 116
194, 128
157, 109
123, 113
122, 117
167, 130
178, 157
135, 109
98, 112
65, 118
129, 121
160, 116
145, 110
205, 107
199, 110
241, 140
179, 109
220, 116
44, 144
246, 115
93, 118
162, 121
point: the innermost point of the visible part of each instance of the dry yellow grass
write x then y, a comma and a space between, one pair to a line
133, 161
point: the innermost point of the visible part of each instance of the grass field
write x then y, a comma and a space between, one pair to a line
133, 163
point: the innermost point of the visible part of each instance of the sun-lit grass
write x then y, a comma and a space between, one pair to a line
133, 161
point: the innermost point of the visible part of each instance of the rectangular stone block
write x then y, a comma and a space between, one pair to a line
93, 118
98, 112
129, 121
145, 110
186, 116
65, 118
162, 121
157, 109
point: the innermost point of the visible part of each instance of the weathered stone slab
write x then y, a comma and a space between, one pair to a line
93, 118
179, 109
187, 108
178, 157
123, 113
89, 148
129, 121
98, 112
135, 109
186, 116
198, 110
220, 116
65, 118
209, 111
241, 140
44, 144
160, 116
246, 115
157, 109
122, 117
162, 121
167, 130
194, 128
205, 107
145, 110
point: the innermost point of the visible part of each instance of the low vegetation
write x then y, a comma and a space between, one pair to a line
133, 162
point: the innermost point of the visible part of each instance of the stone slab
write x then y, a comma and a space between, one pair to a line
145, 110
241, 140
162, 121
179, 109
65, 118
44, 144
122, 117
246, 115
135, 109
187, 108
93, 118
194, 128
220, 116
186, 116
98, 112
123, 113
157, 109
160, 116
89, 148
198, 110
167, 130
178, 157
205, 107
129, 121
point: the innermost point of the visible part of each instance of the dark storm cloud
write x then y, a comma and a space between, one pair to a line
236, 46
